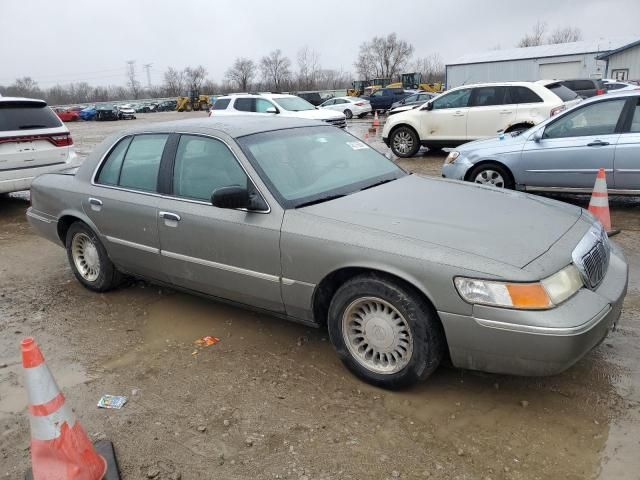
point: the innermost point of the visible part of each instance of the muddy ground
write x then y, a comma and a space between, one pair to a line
272, 401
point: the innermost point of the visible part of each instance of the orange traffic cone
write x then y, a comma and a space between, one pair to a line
376, 121
60, 448
599, 204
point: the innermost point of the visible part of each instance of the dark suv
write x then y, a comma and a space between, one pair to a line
585, 87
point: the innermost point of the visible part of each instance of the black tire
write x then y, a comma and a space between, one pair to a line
362, 115
411, 134
109, 277
348, 113
521, 127
426, 330
487, 168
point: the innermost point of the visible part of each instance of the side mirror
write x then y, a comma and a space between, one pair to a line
271, 110
428, 106
230, 197
537, 135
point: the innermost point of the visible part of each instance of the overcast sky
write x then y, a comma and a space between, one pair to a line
90, 40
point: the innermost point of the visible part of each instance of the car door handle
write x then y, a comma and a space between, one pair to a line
597, 143
170, 216
506, 112
96, 204
458, 114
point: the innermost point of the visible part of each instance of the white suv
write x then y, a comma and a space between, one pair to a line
478, 111
274, 104
33, 140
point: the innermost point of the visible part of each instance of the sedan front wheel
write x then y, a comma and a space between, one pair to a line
385, 333
492, 175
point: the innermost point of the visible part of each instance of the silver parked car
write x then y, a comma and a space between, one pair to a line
563, 153
304, 221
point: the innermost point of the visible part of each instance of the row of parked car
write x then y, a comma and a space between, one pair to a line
112, 111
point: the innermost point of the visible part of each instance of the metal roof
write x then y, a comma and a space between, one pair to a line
618, 50
542, 51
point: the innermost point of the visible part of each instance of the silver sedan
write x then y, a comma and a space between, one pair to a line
563, 153
306, 222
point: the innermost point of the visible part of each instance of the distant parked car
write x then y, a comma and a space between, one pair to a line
616, 86
270, 104
33, 140
474, 111
585, 87
107, 112
66, 115
563, 153
88, 113
126, 112
314, 98
350, 106
384, 98
410, 102
166, 106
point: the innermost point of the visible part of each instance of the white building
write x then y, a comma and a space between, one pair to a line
562, 61
623, 63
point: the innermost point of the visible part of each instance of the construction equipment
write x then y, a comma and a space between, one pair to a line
193, 101
358, 88
413, 80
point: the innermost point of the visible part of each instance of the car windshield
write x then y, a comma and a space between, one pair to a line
313, 164
294, 104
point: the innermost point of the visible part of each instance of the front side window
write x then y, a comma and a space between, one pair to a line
377, 93
328, 102
141, 163
635, 121
455, 99
202, 166
110, 172
596, 119
411, 98
263, 105
294, 104
307, 164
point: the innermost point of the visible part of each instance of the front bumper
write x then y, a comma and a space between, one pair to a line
456, 170
537, 343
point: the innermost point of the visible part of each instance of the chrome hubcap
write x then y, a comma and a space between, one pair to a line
85, 257
402, 142
490, 177
377, 335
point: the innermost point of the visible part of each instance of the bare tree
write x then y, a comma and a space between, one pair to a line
194, 77
565, 35
209, 87
241, 73
24, 87
431, 68
308, 68
536, 37
173, 82
276, 69
383, 57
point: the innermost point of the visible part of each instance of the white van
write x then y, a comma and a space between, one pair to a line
33, 141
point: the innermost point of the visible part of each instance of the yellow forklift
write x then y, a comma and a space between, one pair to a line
193, 102
414, 81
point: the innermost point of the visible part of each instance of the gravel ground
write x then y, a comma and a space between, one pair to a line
272, 401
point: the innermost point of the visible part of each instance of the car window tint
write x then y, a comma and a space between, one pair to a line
377, 93
411, 98
614, 86
595, 119
455, 99
521, 95
221, 104
583, 85
110, 171
487, 96
142, 161
204, 165
329, 102
16, 115
563, 92
635, 122
244, 104
262, 105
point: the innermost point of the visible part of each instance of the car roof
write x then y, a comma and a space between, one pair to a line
233, 125
502, 84
22, 100
256, 95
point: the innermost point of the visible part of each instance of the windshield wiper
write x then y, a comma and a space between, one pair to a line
381, 182
35, 125
319, 200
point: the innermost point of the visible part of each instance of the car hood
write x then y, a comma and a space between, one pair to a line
320, 114
509, 142
502, 225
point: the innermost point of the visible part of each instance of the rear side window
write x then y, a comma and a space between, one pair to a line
487, 96
135, 164
244, 104
26, 116
563, 92
521, 95
221, 104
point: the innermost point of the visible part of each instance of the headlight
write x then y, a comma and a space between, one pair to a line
452, 157
541, 295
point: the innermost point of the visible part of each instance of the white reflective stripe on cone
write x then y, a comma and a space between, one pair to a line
599, 202
600, 186
41, 387
47, 427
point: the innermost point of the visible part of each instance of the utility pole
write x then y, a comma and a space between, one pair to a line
147, 67
131, 78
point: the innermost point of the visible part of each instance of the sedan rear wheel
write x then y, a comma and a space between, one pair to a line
404, 142
348, 113
89, 260
384, 332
